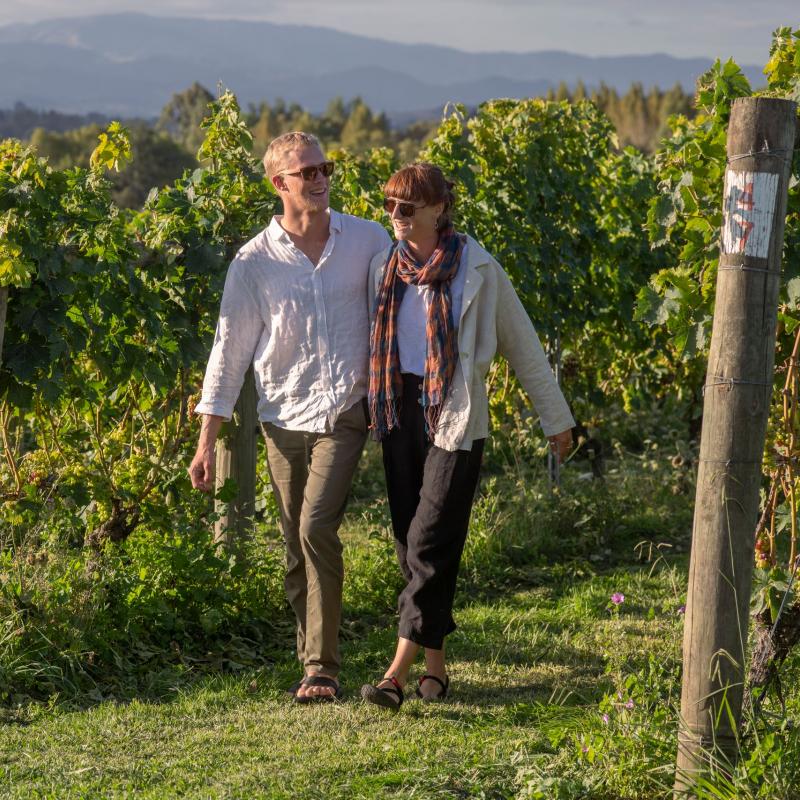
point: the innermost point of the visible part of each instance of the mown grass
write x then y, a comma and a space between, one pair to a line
539, 658
523, 667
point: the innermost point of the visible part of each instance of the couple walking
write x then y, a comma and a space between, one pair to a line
349, 332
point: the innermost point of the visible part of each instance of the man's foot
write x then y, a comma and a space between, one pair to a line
317, 688
432, 687
387, 693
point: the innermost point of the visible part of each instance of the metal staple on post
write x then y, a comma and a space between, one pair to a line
743, 268
732, 383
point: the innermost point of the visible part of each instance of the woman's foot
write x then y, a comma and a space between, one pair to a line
387, 693
432, 687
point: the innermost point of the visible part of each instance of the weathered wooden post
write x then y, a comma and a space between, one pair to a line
236, 459
3, 309
553, 465
737, 400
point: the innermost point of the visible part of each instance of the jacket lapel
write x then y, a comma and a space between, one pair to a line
376, 280
474, 277
471, 286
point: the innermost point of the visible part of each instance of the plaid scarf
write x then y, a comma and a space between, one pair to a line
385, 382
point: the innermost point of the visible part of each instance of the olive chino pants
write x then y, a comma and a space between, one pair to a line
311, 475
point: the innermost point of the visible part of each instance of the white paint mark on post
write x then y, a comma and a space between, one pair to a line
748, 209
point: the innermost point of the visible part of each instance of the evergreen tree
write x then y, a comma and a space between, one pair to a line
182, 115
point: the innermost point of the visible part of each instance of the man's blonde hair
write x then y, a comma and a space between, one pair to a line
283, 144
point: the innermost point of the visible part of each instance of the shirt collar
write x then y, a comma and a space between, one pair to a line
278, 234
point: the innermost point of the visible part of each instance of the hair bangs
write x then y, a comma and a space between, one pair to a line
411, 184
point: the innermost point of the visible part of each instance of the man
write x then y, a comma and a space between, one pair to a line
295, 306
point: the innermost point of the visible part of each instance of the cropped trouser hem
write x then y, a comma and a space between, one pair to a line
431, 641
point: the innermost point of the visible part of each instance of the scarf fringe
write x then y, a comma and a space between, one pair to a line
383, 421
432, 415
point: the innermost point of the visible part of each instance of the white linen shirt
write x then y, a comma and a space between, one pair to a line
304, 328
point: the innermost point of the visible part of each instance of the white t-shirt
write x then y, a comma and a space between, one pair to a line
412, 317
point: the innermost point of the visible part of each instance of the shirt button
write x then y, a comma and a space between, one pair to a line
420, 387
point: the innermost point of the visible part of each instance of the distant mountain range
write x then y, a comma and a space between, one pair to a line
131, 64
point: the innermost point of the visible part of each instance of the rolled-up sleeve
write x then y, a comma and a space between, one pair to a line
239, 329
519, 344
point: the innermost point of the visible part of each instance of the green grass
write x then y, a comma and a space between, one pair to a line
525, 666
538, 658
522, 667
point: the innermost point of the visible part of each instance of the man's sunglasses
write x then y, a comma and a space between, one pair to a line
406, 209
309, 173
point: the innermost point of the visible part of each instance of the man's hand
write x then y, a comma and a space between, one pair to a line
561, 444
203, 468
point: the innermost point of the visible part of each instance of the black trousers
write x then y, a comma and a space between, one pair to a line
431, 492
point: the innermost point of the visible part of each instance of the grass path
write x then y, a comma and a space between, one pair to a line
527, 671
556, 695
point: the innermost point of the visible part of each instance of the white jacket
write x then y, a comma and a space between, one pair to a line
493, 320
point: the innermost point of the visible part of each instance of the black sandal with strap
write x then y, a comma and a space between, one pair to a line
318, 680
445, 684
382, 695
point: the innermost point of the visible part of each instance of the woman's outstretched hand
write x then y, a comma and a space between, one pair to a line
561, 444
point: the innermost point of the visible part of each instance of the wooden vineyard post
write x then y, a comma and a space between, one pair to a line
3, 310
553, 467
737, 392
236, 459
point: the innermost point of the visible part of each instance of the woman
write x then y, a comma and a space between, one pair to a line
443, 307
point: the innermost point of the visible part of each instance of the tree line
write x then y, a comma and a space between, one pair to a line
641, 118
164, 147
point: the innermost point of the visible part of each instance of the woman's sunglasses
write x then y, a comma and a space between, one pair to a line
406, 209
309, 173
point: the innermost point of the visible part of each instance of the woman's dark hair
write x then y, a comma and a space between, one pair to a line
426, 183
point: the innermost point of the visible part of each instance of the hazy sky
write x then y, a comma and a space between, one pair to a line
709, 28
